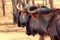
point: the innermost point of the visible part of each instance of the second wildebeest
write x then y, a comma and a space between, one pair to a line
23, 15
40, 22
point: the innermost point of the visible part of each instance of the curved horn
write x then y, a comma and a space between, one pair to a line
31, 11
19, 8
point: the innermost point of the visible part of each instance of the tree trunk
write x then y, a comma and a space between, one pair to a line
3, 6
23, 3
15, 11
33, 2
27, 1
51, 3
43, 2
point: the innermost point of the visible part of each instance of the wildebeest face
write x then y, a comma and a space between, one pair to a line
23, 16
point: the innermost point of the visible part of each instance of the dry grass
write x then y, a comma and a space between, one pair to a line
12, 32
16, 36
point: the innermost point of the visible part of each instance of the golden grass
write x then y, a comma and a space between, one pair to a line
19, 34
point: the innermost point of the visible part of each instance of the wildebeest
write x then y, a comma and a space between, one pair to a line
23, 15
43, 22
54, 25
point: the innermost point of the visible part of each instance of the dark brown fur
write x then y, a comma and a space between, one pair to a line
51, 27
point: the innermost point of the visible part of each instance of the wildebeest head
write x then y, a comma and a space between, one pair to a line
37, 20
23, 16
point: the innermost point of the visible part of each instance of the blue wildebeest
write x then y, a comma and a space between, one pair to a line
43, 21
23, 15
